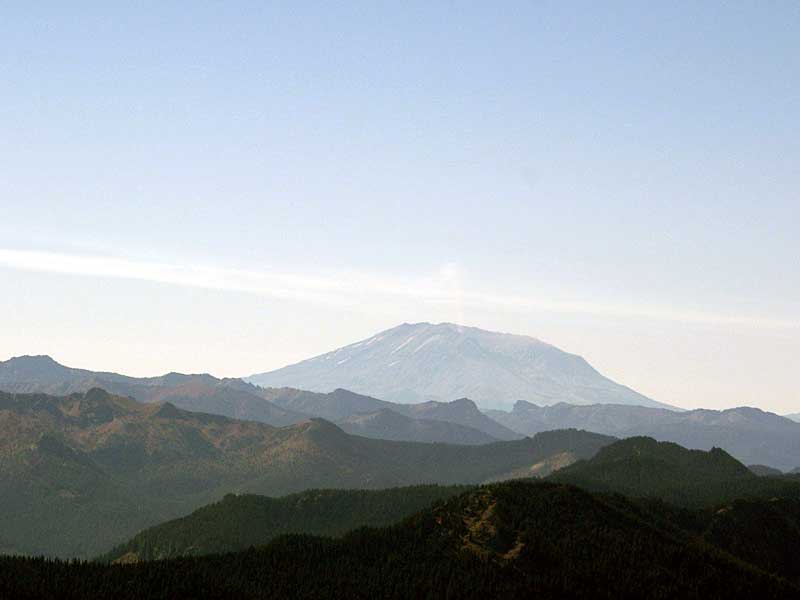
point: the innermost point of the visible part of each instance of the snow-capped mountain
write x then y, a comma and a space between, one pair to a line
424, 361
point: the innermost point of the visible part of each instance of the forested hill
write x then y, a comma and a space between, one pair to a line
510, 540
239, 522
643, 467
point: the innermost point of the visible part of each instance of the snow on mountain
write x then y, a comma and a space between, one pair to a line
441, 362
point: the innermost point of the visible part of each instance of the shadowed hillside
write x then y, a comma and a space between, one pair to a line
239, 522
512, 540
647, 468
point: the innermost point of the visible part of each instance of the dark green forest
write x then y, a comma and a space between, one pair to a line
239, 522
509, 540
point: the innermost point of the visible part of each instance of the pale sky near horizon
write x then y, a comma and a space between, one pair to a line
232, 187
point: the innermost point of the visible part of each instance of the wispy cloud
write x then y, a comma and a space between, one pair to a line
445, 287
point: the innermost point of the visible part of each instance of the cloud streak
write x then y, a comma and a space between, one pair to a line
353, 289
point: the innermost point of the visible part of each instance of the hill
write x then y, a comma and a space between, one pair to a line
751, 435
643, 467
82, 473
794, 417
337, 405
239, 522
511, 540
422, 362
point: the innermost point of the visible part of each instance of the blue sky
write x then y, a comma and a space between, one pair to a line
229, 187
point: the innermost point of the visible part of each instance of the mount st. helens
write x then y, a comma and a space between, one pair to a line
421, 362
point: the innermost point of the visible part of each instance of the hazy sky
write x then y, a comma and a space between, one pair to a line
230, 187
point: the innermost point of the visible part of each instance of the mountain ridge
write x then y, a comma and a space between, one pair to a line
199, 392
644, 467
387, 424
239, 522
83, 472
241, 400
752, 435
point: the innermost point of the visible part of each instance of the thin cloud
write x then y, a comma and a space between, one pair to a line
354, 288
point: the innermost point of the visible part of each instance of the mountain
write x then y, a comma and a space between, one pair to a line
82, 473
227, 397
751, 435
644, 467
337, 405
794, 417
240, 522
765, 471
512, 540
422, 362
463, 411
388, 425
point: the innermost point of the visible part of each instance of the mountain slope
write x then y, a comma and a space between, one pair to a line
462, 411
83, 472
335, 406
794, 417
388, 425
643, 467
511, 540
239, 522
751, 435
765, 471
422, 362
765, 533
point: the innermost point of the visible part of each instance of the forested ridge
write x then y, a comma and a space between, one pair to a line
239, 522
509, 540
643, 467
